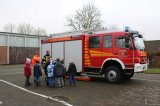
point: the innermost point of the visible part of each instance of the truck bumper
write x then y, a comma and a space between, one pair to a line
140, 67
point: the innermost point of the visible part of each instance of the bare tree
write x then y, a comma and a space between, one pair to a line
88, 17
21, 28
40, 32
10, 28
25, 29
29, 29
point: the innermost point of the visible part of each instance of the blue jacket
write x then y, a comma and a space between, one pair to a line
50, 70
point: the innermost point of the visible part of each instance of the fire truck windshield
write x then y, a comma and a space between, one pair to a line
138, 42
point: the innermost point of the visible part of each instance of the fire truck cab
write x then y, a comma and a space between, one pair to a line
116, 55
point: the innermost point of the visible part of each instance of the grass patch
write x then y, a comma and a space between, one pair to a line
152, 71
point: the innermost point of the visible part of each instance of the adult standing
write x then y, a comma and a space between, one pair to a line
35, 58
59, 73
47, 55
45, 62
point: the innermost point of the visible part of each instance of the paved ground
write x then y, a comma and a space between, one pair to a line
142, 90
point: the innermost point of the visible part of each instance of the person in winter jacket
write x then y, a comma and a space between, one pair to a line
59, 73
64, 71
37, 73
45, 70
72, 70
50, 72
35, 58
46, 65
27, 71
45, 60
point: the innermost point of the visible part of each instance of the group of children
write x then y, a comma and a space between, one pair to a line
55, 72
28, 72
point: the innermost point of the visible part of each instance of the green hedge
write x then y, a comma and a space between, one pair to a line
152, 71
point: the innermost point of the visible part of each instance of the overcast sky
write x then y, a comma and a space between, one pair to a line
141, 15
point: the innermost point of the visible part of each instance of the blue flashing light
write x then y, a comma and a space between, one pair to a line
126, 29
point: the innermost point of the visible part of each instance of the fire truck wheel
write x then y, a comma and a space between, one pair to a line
126, 77
113, 74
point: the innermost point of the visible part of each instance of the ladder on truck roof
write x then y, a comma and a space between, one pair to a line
85, 31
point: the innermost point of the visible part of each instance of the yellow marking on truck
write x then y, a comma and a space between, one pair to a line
87, 64
86, 56
87, 61
97, 53
91, 51
86, 52
85, 48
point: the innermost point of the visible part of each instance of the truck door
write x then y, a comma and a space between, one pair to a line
94, 44
107, 47
123, 51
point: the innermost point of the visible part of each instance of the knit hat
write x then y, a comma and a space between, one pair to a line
28, 61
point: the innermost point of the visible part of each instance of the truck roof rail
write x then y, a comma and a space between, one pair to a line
85, 31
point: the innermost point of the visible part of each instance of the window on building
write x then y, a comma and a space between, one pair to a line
94, 42
107, 41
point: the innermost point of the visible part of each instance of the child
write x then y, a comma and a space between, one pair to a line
45, 70
59, 73
50, 72
72, 70
37, 73
64, 71
27, 71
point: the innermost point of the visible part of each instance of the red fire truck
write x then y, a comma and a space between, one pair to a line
115, 54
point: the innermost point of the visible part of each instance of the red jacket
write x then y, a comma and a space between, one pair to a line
27, 70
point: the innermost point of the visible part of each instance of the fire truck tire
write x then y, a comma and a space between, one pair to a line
127, 77
113, 74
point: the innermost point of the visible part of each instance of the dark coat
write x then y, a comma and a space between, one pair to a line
72, 70
37, 70
58, 69
44, 60
45, 68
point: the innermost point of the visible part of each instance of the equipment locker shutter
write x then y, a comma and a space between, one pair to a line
73, 52
57, 50
46, 47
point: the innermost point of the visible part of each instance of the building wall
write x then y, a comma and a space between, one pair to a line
3, 55
17, 55
16, 47
153, 52
3, 40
